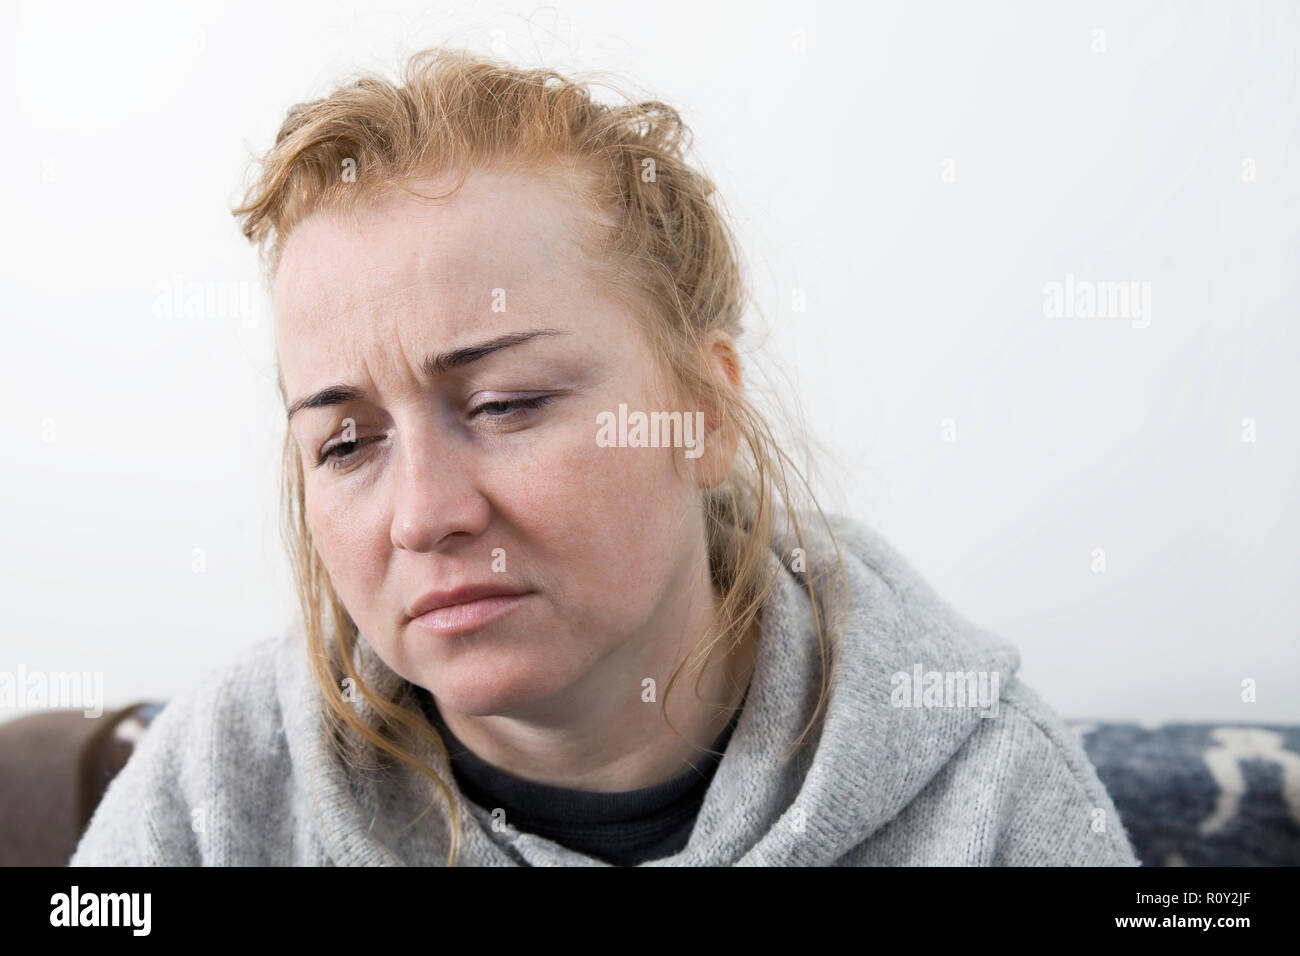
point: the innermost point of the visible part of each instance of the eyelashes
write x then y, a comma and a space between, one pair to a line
335, 458
341, 454
516, 403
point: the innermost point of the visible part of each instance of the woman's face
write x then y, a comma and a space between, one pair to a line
484, 468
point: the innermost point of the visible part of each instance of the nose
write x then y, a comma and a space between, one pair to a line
436, 500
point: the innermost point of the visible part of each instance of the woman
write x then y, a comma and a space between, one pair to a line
528, 501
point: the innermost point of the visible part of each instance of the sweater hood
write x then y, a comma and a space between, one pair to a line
911, 681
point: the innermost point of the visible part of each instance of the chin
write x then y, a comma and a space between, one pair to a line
487, 688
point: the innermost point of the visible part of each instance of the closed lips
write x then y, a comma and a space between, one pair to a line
464, 595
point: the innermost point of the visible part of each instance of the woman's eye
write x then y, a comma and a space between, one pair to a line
502, 409
338, 455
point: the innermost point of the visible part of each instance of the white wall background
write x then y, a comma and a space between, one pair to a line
918, 171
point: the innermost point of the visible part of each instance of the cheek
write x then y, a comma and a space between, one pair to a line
606, 526
347, 544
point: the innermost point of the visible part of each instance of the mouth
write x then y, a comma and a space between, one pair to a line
467, 616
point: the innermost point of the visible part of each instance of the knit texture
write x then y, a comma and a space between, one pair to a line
239, 771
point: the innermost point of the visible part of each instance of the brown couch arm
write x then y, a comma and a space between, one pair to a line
54, 768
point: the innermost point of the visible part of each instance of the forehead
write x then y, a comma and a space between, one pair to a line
506, 239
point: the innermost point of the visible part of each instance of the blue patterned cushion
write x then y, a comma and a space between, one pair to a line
1202, 794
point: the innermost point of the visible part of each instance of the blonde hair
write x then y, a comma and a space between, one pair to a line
667, 249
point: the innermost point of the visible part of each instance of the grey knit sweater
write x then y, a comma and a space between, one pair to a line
910, 765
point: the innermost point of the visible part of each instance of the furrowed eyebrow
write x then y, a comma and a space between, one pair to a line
434, 365
333, 395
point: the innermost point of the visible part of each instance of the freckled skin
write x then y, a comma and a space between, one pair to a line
610, 540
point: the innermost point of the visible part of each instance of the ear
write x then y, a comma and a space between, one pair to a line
720, 442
